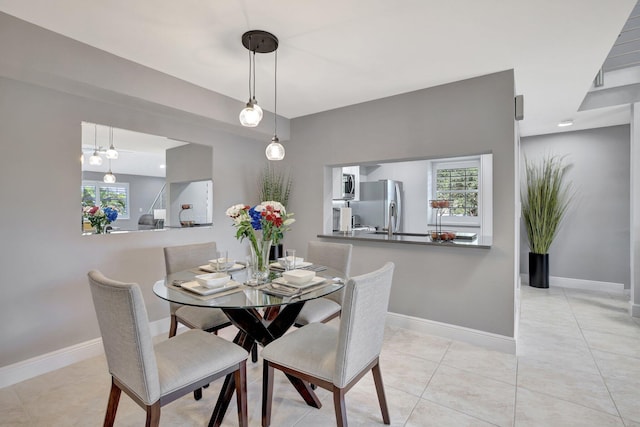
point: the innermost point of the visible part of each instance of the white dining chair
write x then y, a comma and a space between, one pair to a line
336, 256
336, 359
156, 375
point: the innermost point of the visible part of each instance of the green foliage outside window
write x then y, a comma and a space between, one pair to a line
459, 185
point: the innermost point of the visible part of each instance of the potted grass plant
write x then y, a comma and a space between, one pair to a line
274, 184
545, 199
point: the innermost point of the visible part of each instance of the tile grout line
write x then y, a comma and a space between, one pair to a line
595, 362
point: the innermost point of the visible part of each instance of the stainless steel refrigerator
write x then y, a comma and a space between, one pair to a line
380, 201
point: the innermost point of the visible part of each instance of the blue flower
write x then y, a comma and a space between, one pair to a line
110, 213
255, 218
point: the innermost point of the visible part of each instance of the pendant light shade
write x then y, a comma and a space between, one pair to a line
95, 159
275, 150
109, 177
251, 115
111, 153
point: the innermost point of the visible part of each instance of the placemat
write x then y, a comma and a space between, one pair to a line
208, 297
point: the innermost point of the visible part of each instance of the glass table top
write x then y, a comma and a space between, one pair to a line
239, 293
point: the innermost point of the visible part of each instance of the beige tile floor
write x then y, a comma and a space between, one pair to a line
578, 364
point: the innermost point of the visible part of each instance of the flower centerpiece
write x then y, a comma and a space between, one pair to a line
100, 217
271, 219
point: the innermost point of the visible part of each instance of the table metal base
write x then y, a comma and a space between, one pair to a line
253, 327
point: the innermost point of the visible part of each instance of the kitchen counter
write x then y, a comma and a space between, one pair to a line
481, 242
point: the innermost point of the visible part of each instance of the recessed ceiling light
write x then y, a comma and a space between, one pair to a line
163, 166
565, 123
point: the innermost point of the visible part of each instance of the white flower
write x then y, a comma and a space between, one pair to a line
234, 211
288, 222
276, 206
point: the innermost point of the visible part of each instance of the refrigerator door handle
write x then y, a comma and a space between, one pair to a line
398, 207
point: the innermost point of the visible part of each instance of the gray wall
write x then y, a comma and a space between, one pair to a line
467, 287
593, 243
44, 260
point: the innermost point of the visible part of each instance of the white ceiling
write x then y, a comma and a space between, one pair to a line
139, 153
334, 52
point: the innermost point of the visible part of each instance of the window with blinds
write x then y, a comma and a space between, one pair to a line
458, 182
96, 193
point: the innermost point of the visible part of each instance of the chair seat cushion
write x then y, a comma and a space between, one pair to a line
310, 349
317, 310
201, 317
192, 356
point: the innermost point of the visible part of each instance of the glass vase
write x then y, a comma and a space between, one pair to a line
99, 228
260, 260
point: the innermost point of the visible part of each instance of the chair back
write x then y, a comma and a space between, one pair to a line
334, 255
364, 310
124, 326
179, 258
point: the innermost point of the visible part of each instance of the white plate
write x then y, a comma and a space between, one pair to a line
201, 290
210, 269
316, 280
301, 265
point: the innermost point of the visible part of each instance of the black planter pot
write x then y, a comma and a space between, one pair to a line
276, 251
538, 270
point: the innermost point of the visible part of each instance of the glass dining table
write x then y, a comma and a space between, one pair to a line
261, 312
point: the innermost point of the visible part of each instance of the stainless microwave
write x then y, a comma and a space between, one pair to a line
348, 186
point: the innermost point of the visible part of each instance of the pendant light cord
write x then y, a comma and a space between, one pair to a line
250, 70
95, 139
253, 96
275, 96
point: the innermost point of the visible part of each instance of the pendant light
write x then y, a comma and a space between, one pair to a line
111, 154
109, 177
95, 159
252, 114
275, 150
261, 42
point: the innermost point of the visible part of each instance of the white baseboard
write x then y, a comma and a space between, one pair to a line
587, 285
20, 371
458, 333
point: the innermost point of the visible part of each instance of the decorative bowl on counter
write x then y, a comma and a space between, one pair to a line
442, 235
440, 203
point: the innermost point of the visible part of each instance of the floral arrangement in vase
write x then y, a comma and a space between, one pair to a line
271, 219
100, 217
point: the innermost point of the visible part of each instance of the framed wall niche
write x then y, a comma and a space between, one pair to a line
154, 176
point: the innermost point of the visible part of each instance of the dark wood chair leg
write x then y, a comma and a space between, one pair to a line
173, 328
241, 394
254, 353
112, 406
153, 415
197, 394
340, 407
377, 378
267, 393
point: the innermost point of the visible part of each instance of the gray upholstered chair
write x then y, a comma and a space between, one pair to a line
338, 257
156, 375
179, 258
336, 359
